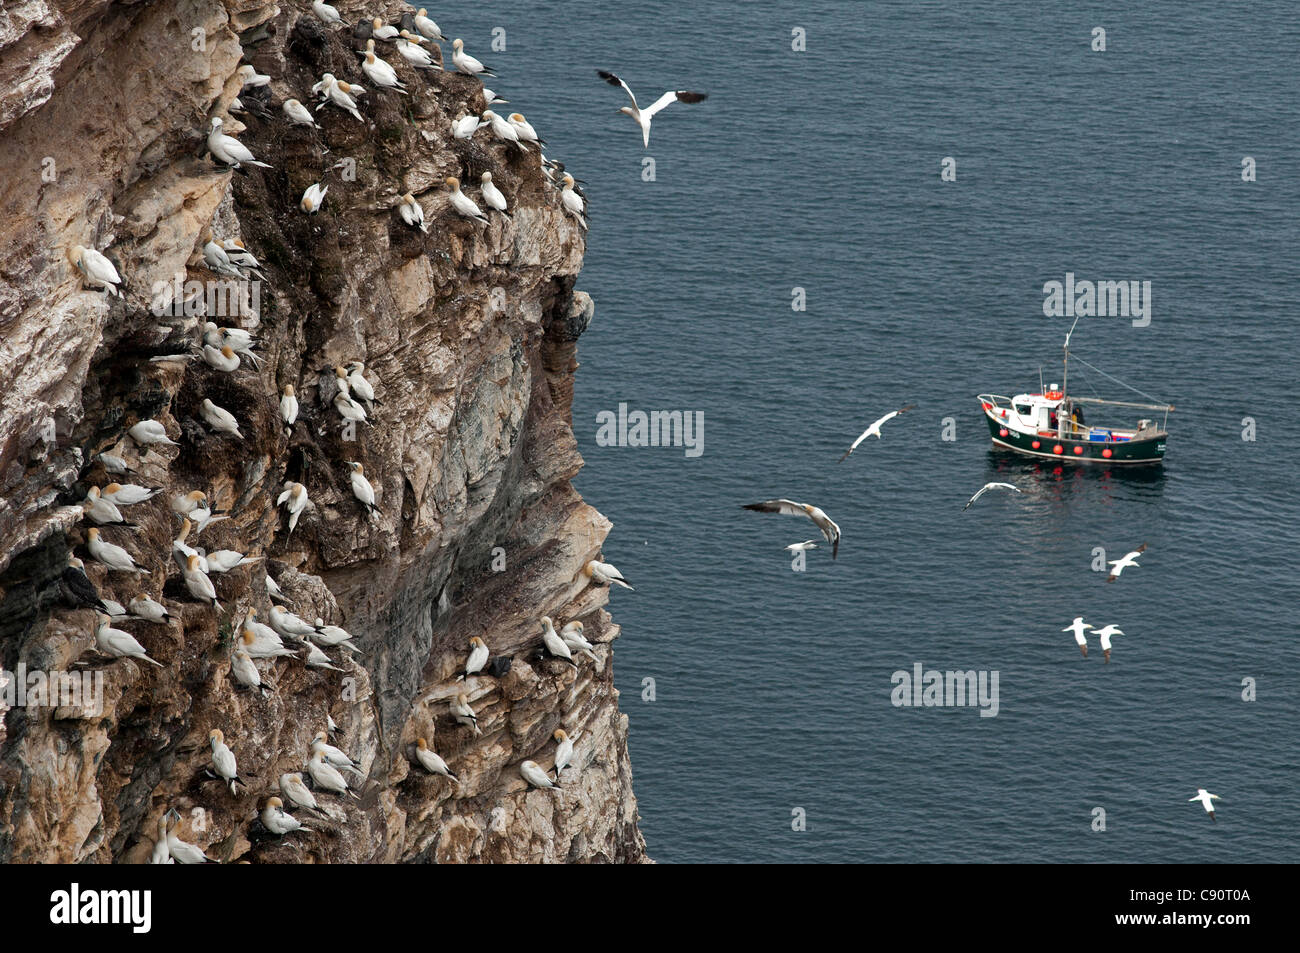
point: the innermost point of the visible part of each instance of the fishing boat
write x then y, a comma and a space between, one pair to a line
1052, 424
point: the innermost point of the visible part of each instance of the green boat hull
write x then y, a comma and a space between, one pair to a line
1147, 451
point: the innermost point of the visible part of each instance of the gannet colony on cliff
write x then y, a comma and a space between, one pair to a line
306, 414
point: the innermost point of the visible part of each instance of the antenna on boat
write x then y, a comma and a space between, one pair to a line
1065, 377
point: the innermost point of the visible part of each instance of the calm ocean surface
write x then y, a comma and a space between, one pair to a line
820, 170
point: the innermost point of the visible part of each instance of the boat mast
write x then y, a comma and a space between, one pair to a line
1065, 379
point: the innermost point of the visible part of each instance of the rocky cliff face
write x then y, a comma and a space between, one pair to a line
468, 334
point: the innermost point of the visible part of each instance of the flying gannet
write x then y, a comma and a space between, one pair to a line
802, 547
114, 557
228, 149
412, 213
829, 529
119, 644
1207, 801
96, 269
1129, 559
430, 761
1080, 629
643, 116
874, 429
462, 203
985, 488
466, 63
1106, 635
535, 776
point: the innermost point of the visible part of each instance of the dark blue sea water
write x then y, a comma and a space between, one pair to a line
820, 170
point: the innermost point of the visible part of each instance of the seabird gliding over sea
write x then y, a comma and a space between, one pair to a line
985, 488
874, 429
643, 116
823, 522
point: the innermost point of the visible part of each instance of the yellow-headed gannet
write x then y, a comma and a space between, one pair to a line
412, 213
220, 419
224, 560
288, 406
525, 129
535, 776
318, 659
149, 432
183, 852
576, 641
259, 645
249, 76
382, 31
428, 29
294, 500
379, 72
328, 14
478, 658
298, 114
223, 358
466, 63
313, 198
829, 529
1207, 801
182, 551
223, 760
348, 408
96, 269
244, 671
339, 93
198, 583
874, 429
1080, 630
1129, 559
985, 488
183, 504
462, 203
491, 194
288, 624
297, 793
358, 386
325, 776
331, 636
99, 510
430, 761
228, 149
643, 116
502, 129
361, 488
605, 574
237, 339
408, 45
572, 201
554, 644
464, 127
1106, 635
144, 607
563, 751
275, 820
128, 494
119, 644
320, 745
114, 557
217, 260
161, 855
461, 711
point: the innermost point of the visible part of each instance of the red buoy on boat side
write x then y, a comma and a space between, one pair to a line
1078, 450
1106, 453
1002, 432
1058, 449
1035, 444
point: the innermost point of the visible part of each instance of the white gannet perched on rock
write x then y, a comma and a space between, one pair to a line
288, 407
382, 31
223, 760
985, 488
183, 852
464, 127
244, 671
298, 114
874, 429
217, 260
128, 494
198, 583
119, 644
348, 408
96, 269
229, 150
327, 14
605, 574
1080, 630
429, 760
361, 488
325, 776
113, 463
412, 213
264, 634
358, 386
288, 624
462, 203
275, 820
491, 194
492, 99
379, 72
223, 359
576, 641
224, 560
220, 419
250, 77
161, 855
555, 646
114, 609
182, 551
331, 636
535, 776
99, 510
461, 711
466, 63
502, 129
339, 93
428, 29
478, 658
408, 45
525, 129
313, 198
335, 756
144, 607
239, 341
643, 116
294, 500
563, 751
318, 659
1106, 635
183, 504
149, 432
573, 202
1207, 801
829, 529
274, 591
297, 793
1129, 559
114, 557
242, 259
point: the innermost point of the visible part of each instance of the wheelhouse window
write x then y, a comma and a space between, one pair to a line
1024, 410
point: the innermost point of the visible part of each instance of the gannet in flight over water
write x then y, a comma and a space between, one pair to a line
823, 522
874, 429
985, 488
1130, 559
1207, 800
1105, 635
643, 116
1079, 628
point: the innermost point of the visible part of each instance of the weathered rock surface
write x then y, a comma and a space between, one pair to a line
468, 334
